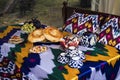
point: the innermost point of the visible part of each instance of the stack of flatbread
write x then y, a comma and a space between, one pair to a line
50, 33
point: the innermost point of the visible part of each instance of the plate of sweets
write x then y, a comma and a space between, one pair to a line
38, 49
16, 39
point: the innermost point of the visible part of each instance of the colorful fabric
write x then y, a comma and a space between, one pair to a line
31, 61
7, 30
98, 61
110, 32
8, 70
79, 23
102, 62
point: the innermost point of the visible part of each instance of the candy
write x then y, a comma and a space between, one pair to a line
70, 41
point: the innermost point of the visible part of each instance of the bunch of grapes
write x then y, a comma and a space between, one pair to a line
36, 23
28, 27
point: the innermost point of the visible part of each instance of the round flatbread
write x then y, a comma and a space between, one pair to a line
36, 36
52, 34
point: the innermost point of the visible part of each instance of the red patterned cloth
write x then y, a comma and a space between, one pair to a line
8, 70
79, 23
110, 32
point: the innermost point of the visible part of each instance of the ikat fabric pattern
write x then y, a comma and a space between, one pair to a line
110, 32
79, 23
102, 63
9, 70
107, 28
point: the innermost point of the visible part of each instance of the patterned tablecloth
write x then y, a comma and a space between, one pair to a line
102, 61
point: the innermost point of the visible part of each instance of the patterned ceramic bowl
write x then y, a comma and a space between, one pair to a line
88, 39
75, 62
81, 55
62, 58
72, 51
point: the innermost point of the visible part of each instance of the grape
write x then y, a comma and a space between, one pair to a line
36, 23
28, 27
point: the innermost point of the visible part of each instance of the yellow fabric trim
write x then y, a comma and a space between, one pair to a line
9, 28
112, 52
18, 65
72, 73
112, 57
113, 60
24, 53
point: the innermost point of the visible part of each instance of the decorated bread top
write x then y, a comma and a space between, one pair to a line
52, 34
36, 36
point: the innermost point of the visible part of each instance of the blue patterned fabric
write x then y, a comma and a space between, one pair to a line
102, 63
